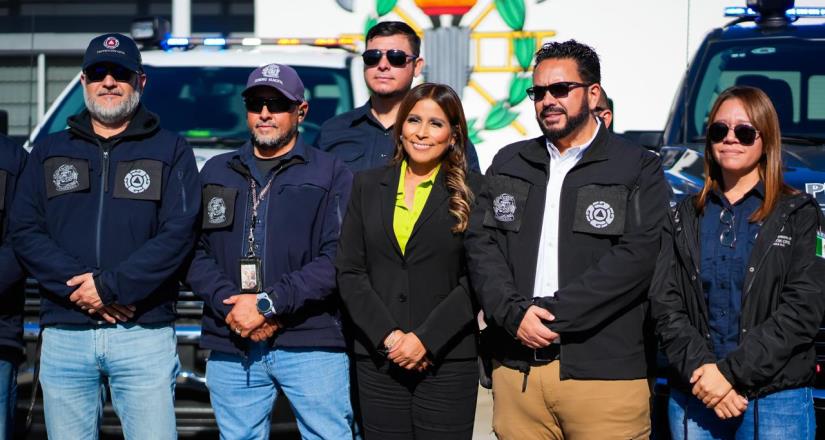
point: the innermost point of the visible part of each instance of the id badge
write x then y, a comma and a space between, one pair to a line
250, 275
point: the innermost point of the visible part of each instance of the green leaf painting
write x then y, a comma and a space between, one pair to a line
524, 49
371, 21
473, 132
518, 89
500, 116
512, 12
383, 7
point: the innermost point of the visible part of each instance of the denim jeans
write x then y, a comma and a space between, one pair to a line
316, 383
140, 364
8, 397
783, 415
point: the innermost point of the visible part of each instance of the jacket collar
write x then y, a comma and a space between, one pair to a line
364, 114
243, 161
142, 123
389, 187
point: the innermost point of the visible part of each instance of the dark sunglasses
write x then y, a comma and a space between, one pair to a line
274, 105
99, 72
746, 134
396, 57
728, 235
557, 90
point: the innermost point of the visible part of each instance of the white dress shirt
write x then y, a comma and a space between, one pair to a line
547, 265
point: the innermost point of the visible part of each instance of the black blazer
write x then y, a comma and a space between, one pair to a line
426, 290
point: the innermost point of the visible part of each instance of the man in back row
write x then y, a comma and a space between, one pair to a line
362, 137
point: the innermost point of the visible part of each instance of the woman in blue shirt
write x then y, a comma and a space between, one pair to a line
738, 294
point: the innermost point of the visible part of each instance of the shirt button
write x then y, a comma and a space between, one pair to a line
386, 133
693, 277
751, 269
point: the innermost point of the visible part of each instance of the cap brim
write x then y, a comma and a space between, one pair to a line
286, 94
119, 60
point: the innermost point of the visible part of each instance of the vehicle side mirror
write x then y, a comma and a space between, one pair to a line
4, 122
647, 139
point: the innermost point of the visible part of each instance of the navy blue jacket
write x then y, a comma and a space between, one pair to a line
305, 206
12, 276
363, 143
122, 208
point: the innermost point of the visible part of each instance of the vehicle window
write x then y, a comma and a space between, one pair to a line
795, 90
204, 104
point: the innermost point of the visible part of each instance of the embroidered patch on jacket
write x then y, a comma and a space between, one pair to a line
216, 210
504, 207
599, 214
66, 178
137, 181
782, 240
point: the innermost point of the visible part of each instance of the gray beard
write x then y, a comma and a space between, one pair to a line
274, 142
112, 115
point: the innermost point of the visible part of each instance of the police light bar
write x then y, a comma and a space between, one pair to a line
189, 42
740, 11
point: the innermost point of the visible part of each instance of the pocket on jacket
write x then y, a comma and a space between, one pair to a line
139, 180
218, 206
601, 209
65, 175
508, 199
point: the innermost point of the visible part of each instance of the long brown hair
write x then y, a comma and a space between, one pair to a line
454, 162
763, 117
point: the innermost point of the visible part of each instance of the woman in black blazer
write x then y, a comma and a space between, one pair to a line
403, 277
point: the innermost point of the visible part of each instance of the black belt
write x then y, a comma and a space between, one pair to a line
546, 354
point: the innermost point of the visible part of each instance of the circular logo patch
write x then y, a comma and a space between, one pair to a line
504, 207
137, 181
216, 210
271, 71
111, 43
65, 177
599, 214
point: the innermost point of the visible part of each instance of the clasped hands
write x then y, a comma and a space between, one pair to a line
711, 387
245, 320
533, 332
87, 298
407, 351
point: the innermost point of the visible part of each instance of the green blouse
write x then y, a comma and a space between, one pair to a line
403, 219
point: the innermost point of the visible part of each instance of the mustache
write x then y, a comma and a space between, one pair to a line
265, 124
110, 92
553, 109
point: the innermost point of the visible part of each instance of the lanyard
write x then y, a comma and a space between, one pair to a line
256, 201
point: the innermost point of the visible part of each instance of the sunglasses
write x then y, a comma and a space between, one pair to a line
557, 90
396, 58
273, 105
746, 134
99, 72
728, 236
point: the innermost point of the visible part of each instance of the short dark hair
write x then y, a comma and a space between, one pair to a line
585, 57
390, 28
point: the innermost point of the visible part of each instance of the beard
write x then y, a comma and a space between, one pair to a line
573, 122
274, 142
113, 114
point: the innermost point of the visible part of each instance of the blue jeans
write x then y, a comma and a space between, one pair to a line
783, 415
141, 364
8, 397
316, 383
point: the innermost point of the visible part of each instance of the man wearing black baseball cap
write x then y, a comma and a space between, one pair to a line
104, 218
264, 268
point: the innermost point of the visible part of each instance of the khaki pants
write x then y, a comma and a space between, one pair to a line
571, 409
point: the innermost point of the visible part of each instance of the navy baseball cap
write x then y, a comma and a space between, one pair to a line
113, 48
280, 77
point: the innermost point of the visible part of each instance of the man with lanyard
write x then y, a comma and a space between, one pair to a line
362, 138
272, 214
12, 283
561, 249
104, 219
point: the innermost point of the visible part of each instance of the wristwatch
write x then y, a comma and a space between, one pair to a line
265, 305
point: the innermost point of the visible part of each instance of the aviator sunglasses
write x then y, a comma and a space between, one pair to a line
396, 57
745, 133
97, 73
557, 90
273, 105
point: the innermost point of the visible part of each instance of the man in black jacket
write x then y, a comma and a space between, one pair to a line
104, 219
561, 249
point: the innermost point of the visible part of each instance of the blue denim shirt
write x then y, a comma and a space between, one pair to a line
723, 267
361, 141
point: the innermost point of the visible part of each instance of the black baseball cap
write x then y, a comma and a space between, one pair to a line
113, 48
